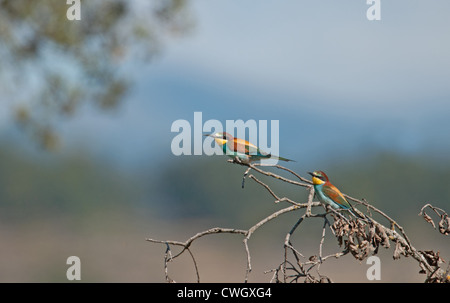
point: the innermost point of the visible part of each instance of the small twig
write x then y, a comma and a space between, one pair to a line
321, 242
286, 169
188, 242
254, 167
167, 259
277, 198
245, 175
437, 210
195, 265
310, 201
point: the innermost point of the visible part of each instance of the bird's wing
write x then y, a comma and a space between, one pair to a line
331, 191
245, 147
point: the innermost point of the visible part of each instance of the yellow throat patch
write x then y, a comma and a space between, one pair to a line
220, 141
317, 181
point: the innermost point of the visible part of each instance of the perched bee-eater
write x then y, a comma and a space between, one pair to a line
328, 194
244, 150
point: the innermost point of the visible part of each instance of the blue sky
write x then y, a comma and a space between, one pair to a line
340, 85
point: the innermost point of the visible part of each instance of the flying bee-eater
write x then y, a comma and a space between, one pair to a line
329, 194
245, 151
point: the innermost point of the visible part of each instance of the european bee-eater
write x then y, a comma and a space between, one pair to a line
328, 194
244, 150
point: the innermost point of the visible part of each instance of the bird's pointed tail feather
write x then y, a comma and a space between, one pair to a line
283, 159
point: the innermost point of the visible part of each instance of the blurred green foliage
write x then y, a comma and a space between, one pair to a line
50, 67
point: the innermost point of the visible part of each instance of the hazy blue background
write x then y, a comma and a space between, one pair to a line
366, 101
339, 84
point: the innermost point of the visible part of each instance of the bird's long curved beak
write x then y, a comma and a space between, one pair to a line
312, 174
208, 135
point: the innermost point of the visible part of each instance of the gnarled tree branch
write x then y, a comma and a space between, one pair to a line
359, 237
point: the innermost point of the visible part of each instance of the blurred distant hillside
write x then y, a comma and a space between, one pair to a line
75, 185
83, 201
39, 186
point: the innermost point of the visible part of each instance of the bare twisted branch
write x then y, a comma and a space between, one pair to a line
361, 238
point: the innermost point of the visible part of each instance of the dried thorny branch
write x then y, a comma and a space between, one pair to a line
359, 237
